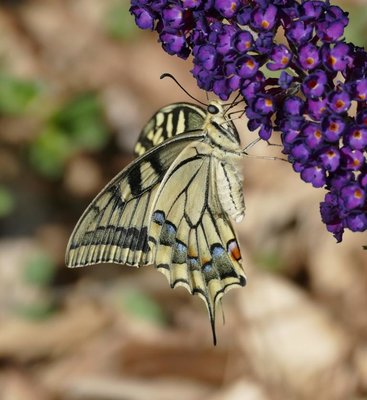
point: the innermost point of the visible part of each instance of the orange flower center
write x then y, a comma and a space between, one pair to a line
312, 84
265, 24
332, 60
285, 60
357, 134
317, 134
250, 64
357, 194
333, 126
268, 102
340, 104
310, 61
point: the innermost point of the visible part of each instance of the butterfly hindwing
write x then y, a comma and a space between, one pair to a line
168, 122
114, 228
196, 244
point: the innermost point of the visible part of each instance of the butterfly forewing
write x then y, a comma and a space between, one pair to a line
114, 228
170, 121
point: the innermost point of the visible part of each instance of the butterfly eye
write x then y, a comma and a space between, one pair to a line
212, 109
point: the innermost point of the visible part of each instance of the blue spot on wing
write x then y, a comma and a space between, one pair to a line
217, 251
159, 217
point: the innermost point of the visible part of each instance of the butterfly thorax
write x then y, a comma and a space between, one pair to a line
221, 131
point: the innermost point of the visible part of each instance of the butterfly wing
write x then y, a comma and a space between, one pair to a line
196, 244
170, 121
114, 228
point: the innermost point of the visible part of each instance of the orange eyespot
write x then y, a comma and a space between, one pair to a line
234, 251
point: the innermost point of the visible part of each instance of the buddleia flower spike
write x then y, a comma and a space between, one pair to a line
318, 101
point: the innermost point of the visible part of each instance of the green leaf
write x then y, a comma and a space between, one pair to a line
16, 95
142, 306
119, 23
49, 151
81, 120
37, 310
39, 270
270, 261
7, 201
77, 125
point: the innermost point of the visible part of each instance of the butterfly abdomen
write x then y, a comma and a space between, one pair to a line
229, 183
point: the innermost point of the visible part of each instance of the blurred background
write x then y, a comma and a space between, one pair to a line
77, 83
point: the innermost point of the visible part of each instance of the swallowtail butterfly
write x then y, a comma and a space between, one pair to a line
173, 205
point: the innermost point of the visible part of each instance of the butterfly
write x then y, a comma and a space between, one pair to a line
173, 205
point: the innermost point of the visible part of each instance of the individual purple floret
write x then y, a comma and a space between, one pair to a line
311, 87
264, 18
281, 56
309, 56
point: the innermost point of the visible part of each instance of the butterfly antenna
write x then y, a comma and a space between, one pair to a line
167, 75
235, 112
230, 105
251, 144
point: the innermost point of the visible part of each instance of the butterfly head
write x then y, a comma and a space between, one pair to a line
221, 130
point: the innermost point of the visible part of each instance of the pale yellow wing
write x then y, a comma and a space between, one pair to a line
114, 228
196, 244
168, 122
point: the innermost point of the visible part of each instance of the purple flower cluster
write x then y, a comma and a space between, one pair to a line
311, 86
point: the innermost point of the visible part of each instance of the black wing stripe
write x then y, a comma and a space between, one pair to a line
93, 238
156, 164
141, 239
167, 123
134, 180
